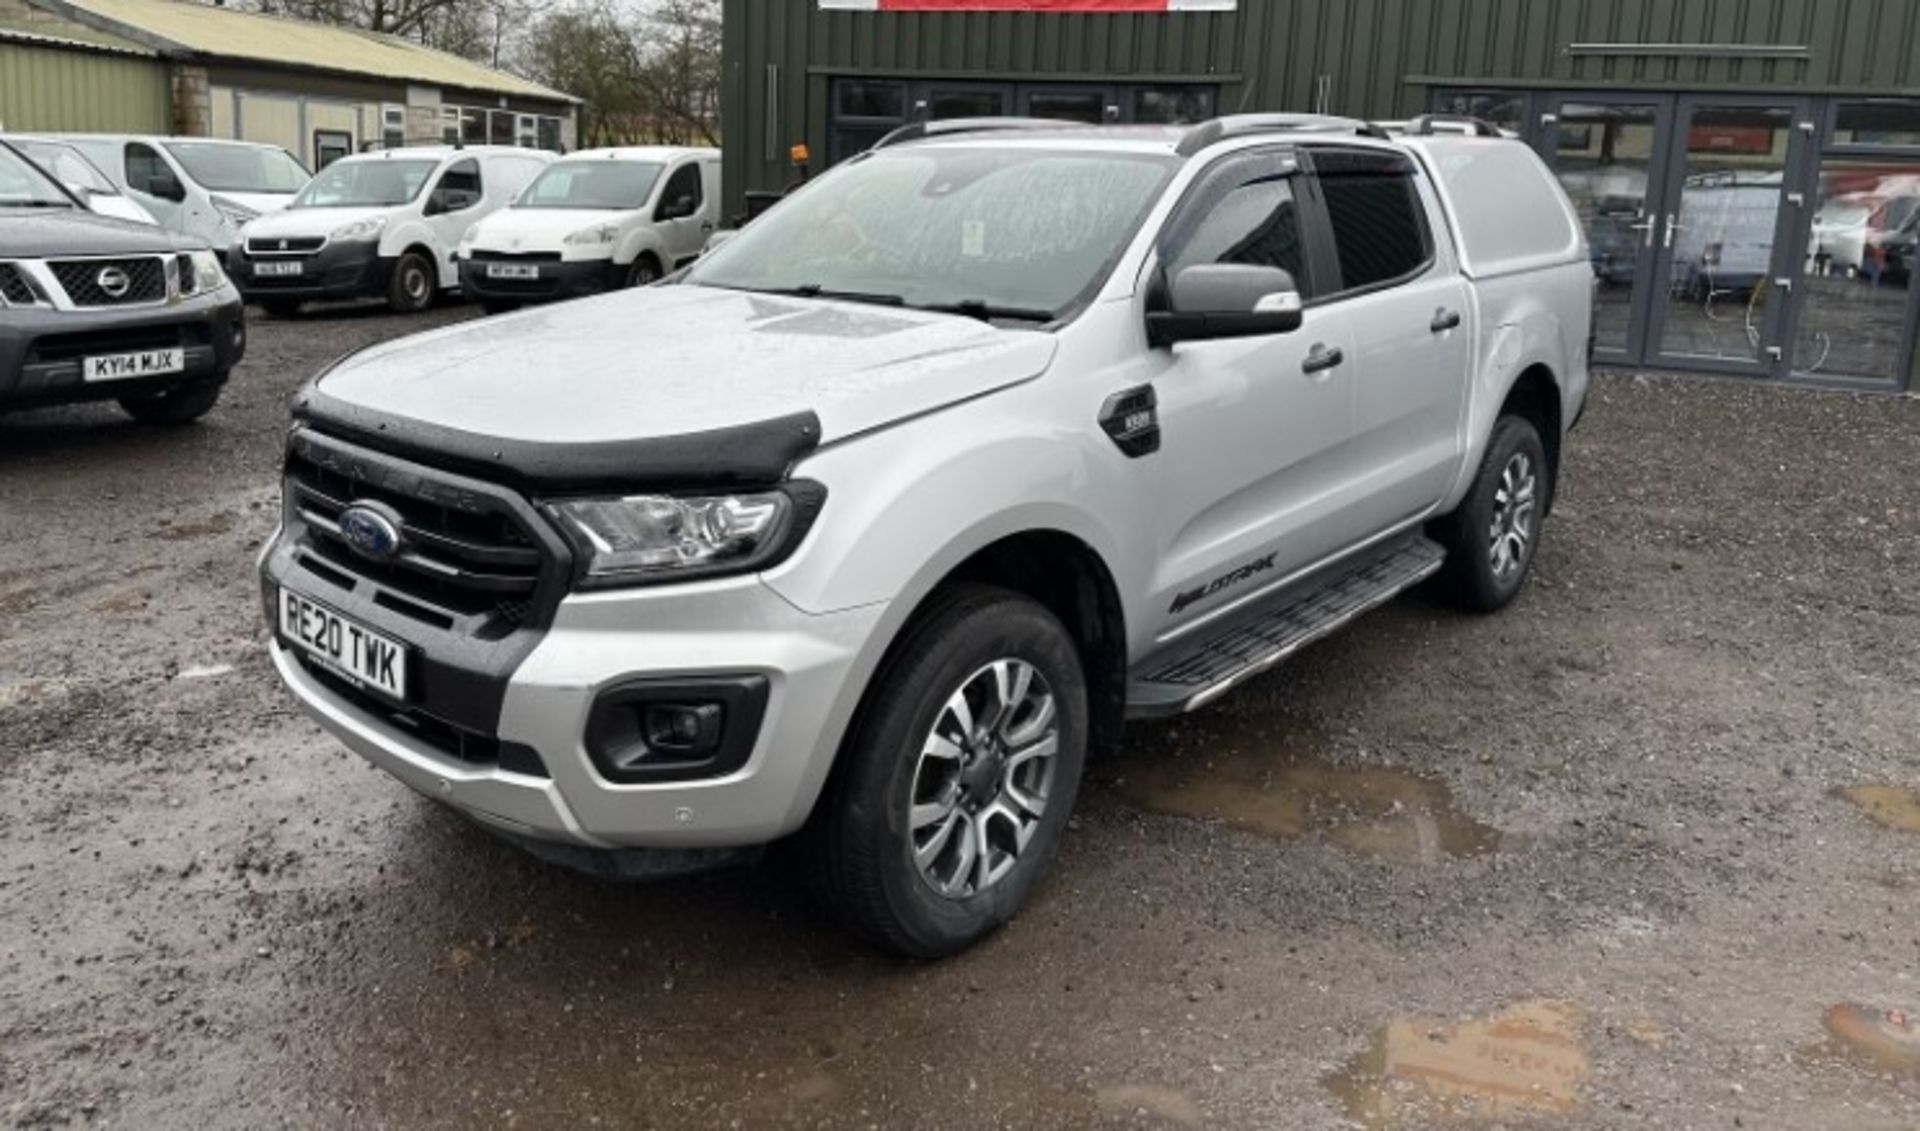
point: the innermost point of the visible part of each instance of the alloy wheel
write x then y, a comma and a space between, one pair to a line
1510, 537
985, 771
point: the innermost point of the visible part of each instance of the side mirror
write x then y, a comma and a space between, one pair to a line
1209, 301
166, 186
679, 208
451, 200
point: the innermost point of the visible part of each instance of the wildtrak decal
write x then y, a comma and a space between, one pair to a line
1224, 582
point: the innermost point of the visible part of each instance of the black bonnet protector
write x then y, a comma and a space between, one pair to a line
745, 455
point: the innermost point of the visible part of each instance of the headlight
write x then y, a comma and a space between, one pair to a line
236, 215
200, 272
359, 230
642, 538
594, 236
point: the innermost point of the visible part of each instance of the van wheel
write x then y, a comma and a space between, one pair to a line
955, 785
182, 404
413, 285
280, 307
1493, 536
644, 272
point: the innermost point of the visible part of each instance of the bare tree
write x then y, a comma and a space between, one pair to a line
679, 70
588, 51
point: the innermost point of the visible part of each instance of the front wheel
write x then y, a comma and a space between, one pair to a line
413, 285
1492, 538
182, 404
644, 272
955, 786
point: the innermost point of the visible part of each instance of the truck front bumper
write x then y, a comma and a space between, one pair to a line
43, 351
598, 644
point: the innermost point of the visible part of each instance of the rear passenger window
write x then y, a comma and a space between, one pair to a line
1379, 224
1258, 225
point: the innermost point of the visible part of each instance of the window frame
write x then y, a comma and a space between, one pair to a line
1326, 253
440, 184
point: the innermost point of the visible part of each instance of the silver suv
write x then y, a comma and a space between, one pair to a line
870, 525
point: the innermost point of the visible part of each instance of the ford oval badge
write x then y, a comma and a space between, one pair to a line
372, 530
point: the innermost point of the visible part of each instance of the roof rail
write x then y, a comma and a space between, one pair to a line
1427, 125
918, 131
1241, 125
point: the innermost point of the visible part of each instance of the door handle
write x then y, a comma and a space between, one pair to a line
1672, 228
1322, 359
1649, 226
1444, 320
706, 225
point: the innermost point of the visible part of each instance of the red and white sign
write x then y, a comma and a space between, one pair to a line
1030, 5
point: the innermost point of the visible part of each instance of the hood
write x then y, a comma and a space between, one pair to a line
623, 371
34, 233
309, 221
538, 229
119, 207
261, 202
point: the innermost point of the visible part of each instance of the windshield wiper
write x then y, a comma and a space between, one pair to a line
815, 290
989, 312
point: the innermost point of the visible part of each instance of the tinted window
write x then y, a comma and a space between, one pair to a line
1379, 227
684, 182
144, 167
863, 99
1257, 224
463, 176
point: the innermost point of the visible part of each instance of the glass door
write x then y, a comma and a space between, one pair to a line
1855, 316
1609, 154
1728, 223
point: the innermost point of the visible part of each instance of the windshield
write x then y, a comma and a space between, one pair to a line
374, 182
1024, 230
612, 185
23, 185
66, 164
239, 168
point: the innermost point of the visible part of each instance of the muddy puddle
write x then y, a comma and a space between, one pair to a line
1888, 805
1526, 1060
1886, 1041
1281, 786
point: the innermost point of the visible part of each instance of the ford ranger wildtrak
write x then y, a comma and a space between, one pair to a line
865, 528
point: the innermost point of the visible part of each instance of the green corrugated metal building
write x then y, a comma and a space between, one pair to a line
1749, 171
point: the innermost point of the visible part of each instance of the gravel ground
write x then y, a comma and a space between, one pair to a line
1588, 864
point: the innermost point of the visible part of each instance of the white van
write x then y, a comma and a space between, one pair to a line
202, 187
81, 177
379, 224
595, 221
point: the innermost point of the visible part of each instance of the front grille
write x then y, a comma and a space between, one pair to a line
14, 288
291, 245
64, 347
458, 562
94, 282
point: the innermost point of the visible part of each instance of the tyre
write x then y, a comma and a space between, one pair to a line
413, 285
1491, 539
280, 307
955, 785
182, 404
644, 272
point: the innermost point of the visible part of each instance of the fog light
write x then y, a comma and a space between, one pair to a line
684, 729
657, 730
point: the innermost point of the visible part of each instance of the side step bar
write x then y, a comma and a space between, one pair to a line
1191, 674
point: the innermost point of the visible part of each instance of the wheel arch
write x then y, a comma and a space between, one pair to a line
1535, 397
1058, 568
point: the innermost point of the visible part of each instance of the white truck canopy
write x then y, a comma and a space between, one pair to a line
1508, 210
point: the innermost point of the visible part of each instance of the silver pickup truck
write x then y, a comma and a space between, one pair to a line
867, 527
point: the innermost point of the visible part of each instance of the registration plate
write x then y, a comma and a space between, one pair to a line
359, 654
279, 267
512, 271
127, 366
